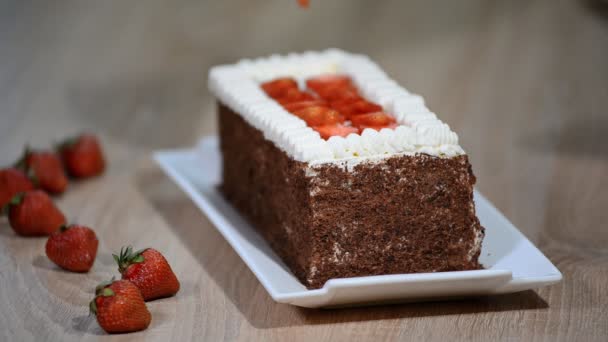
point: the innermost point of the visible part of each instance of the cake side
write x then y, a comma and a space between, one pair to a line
268, 188
404, 214
400, 214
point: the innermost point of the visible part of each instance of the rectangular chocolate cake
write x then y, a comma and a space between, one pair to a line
344, 172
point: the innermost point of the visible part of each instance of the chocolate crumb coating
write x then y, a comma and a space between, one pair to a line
402, 214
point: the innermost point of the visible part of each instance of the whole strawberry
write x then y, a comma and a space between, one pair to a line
12, 182
119, 307
46, 170
149, 270
73, 248
33, 213
82, 156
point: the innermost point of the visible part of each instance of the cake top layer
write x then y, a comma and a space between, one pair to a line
331, 104
417, 130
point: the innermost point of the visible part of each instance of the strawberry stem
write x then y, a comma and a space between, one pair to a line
139, 258
107, 292
31, 174
17, 199
127, 257
102, 290
93, 307
67, 143
99, 288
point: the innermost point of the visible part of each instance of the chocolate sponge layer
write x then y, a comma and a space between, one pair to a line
403, 214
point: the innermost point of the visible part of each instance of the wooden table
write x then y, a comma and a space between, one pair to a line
524, 83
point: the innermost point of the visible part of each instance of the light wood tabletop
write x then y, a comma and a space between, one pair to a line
524, 83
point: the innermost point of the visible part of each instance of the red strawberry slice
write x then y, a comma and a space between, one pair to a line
350, 108
319, 116
378, 128
328, 131
343, 106
338, 94
295, 95
329, 80
277, 88
293, 106
372, 119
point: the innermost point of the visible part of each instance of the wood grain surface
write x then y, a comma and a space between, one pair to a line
524, 83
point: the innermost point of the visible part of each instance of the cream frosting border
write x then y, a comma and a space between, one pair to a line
419, 130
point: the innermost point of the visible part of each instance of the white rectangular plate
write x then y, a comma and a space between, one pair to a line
512, 262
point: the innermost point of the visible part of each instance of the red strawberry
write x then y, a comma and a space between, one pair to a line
303, 3
73, 248
277, 88
329, 80
319, 116
293, 106
120, 307
33, 214
45, 169
82, 156
12, 182
329, 131
149, 270
372, 119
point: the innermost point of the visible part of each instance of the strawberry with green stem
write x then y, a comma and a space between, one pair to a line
120, 307
149, 271
33, 213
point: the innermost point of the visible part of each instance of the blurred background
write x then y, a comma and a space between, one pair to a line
523, 83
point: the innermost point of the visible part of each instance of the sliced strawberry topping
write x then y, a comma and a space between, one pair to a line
328, 131
329, 80
319, 116
279, 87
338, 100
333, 94
355, 107
372, 119
377, 128
294, 95
293, 106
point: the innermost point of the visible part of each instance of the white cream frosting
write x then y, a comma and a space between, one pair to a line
419, 131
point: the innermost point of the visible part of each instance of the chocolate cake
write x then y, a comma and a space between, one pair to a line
336, 190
